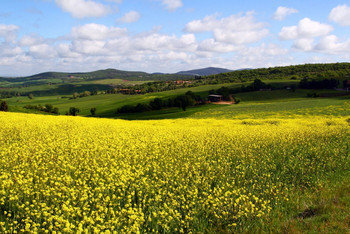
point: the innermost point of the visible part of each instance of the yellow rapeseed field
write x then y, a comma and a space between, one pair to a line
73, 174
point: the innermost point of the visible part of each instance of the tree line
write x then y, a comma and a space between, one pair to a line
333, 71
181, 101
48, 108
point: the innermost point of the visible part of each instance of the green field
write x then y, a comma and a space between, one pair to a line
107, 104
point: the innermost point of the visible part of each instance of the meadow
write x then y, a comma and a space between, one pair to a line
75, 174
107, 104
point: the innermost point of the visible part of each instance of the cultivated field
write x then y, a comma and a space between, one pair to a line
72, 174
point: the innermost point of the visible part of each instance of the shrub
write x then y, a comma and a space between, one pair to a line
93, 111
73, 111
3, 106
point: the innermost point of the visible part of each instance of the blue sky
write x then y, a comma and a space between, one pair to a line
169, 35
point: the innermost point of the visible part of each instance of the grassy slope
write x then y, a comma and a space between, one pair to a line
280, 103
108, 104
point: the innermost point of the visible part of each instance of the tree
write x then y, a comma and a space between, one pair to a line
183, 101
3, 106
85, 94
93, 111
55, 111
156, 104
49, 108
73, 111
258, 84
142, 107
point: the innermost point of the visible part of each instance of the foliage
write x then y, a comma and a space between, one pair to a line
93, 111
319, 84
181, 101
3, 106
68, 83
47, 108
73, 111
313, 95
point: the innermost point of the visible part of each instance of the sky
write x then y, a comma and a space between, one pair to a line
169, 35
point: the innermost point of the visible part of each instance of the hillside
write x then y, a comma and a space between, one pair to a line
53, 83
75, 77
204, 71
100, 74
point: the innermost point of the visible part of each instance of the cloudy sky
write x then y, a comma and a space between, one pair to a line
169, 35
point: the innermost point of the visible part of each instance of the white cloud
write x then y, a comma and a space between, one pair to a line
210, 45
42, 51
172, 5
27, 40
7, 50
305, 44
306, 29
331, 45
282, 12
235, 29
130, 17
340, 15
289, 33
83, 8
88, 47
97, 32
8, 32
116, 1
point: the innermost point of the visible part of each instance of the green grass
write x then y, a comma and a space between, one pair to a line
253, 105
324, 209
108, 104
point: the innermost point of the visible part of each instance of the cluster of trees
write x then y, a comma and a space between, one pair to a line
48, 108
338, 71
319, 84
227, 92
181, 101
84, 94
311, 71
74, 111
9, 94
3, 106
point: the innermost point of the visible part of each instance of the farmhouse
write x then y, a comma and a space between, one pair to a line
215, 98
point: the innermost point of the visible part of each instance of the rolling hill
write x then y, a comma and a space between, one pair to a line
205, 71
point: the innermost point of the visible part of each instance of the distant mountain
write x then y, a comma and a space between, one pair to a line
204, 71
100, 74
77, 77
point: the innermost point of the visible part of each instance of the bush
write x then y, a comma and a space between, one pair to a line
47, 108
157, 104
93, 111
73, 111
313, 95
3, 106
